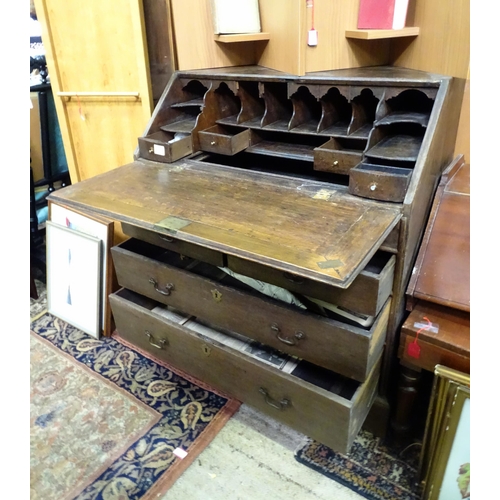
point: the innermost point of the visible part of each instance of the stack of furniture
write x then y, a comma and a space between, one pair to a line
317, 185
437, 329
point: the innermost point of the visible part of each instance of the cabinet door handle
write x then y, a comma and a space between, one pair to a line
294, 279
278, 405
168, 287
161, 343
287, 340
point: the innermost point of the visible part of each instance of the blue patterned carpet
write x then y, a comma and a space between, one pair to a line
189, 415
372, 470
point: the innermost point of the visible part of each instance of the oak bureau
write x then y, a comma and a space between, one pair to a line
273, 224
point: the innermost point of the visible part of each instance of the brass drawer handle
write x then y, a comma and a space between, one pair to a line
287, 340
294, 279
168, 287
280, 405
167, 239
162, 342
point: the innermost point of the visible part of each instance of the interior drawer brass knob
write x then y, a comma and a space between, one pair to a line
168, 287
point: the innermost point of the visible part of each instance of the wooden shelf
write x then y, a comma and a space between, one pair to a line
242, 37
283, 150
377, 34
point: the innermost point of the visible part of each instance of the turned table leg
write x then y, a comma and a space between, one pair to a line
406, 397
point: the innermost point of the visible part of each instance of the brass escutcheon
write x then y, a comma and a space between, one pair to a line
216, 295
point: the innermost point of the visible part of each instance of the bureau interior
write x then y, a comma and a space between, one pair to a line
312, 130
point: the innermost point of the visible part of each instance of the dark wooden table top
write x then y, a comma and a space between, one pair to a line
442, 270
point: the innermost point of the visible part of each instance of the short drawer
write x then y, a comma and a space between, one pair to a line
224, 140
379, 182
166, 147
333, 157
208, 293
182, 247
332, 416
366, 295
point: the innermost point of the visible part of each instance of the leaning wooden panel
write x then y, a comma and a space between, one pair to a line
318, 413
98, 131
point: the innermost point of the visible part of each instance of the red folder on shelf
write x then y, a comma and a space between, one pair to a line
382, 14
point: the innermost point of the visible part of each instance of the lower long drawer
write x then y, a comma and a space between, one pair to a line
333, 418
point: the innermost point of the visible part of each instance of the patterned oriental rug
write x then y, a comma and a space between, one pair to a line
109, 422
371, 469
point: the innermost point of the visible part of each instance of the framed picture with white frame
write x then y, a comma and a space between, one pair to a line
102, 229
74, 277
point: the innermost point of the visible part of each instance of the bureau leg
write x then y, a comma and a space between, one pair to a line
402, 421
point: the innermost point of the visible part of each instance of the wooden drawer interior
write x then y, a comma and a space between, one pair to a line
339, 156
379, 182
224, 140
170, 243
165, 146
210, 293
294, 398
366, 295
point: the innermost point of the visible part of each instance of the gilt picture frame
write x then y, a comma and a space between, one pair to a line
445, 458
74, 277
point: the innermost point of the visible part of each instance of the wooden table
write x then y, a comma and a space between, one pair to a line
437, 329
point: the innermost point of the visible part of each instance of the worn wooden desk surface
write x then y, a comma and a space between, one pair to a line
308, 228
442, 270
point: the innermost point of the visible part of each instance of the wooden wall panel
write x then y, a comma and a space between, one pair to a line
194, 39
443, 45
285, 21
334, 50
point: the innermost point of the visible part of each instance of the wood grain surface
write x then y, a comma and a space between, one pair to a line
265, 218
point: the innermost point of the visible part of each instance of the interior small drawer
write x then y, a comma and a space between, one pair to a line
333, 157
224, 140
208, 293
331, 412
366, 295
165, 146
182, 247
379, 182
